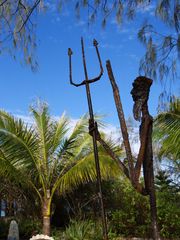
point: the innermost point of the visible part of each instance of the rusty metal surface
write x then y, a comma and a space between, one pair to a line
93, 129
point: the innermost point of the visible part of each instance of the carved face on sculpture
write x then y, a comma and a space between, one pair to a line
140, 95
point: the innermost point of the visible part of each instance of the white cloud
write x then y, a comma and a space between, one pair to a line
80, 23
134, 57
110, 46
25, 118
147, 9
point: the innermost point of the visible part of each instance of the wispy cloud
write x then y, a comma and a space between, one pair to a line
111, 46
80, 23
53, 39
133, 57
27, 119
147, 9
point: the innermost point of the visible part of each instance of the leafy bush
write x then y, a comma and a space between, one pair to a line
57, 234
29, 227
4, 226
83, 230
131, 217
168, 204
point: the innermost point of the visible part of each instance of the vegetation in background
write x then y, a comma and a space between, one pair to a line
45, 159
83, 230
161, 58
127, 211
167, 131
167, 137
168, 202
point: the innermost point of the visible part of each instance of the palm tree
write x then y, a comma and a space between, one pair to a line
47, 157
167, 131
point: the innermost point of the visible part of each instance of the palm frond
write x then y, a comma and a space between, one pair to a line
84, 171
79, 129
167, 131
17, 141
17, 175
59, 132
71, 142
43, 127
20, 148
47, 155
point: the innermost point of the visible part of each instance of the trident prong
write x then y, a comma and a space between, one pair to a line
95, 44
93, 128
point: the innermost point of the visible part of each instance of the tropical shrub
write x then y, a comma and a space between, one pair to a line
167, 132
83, 230
57, 234
129, 215
46, 158
4, 226
168, 203
29, 227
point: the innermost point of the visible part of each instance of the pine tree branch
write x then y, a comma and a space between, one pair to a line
29, 15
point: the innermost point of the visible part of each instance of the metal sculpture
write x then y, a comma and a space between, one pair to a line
140, 94
93, 128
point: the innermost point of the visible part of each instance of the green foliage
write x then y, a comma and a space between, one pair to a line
131, 217
83, 230
162, 53
167, 131
120, 9
4, 227
44, 158
168, 204
128, 211
162, 50
57, 234
18, 31
29, 227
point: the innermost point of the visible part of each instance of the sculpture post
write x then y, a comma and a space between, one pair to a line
93, 125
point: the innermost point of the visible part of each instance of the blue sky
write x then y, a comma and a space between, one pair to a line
55, 33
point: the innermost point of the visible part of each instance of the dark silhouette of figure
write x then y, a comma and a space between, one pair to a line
140, 95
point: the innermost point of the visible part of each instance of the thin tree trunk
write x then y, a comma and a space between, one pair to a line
46, 225
46, 215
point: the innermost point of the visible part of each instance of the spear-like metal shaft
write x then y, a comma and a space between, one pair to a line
95, 148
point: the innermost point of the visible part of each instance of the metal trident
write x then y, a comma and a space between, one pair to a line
93, 125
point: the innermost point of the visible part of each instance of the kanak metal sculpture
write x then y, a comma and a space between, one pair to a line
93, 128
140, 94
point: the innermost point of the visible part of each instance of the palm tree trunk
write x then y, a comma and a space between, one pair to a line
46, 225
46, 214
